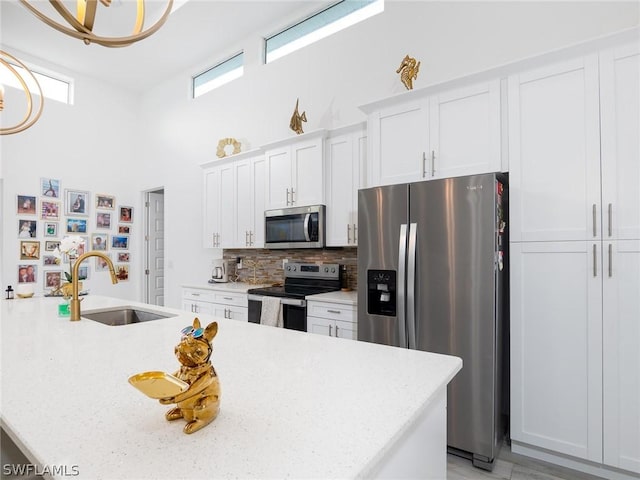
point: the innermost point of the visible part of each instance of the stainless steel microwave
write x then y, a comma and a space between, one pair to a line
295, 227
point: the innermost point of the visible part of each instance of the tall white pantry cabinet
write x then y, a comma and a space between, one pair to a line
574, 157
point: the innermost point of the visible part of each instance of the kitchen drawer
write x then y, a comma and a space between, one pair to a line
226, 298
198, 295
333, 311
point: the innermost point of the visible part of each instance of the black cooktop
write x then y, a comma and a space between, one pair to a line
292, 291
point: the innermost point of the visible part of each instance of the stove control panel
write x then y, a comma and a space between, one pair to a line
312, 270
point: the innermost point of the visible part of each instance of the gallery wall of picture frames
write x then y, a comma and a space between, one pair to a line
50, 215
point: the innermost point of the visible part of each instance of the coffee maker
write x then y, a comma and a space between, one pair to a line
220, 273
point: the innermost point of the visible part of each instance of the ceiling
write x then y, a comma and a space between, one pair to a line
197, 34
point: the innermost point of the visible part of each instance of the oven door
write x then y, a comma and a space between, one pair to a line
294, 312
299, 227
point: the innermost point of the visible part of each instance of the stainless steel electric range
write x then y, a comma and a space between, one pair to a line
301, 280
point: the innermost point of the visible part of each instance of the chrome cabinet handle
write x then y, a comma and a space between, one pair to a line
337, 331
330, 331
195, 294
355, 233
293, 199
610, 209
610, 261
424, 164
334, 311
594, 219
228, 298
595, 260
433, 163
348, 233
287, 195
250, 237
246, 238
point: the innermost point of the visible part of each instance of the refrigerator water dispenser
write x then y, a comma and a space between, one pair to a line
381, 292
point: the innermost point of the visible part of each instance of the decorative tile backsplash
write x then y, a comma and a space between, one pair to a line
268, 263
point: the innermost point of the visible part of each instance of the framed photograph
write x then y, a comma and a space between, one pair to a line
49, 260
51, 245
99, 241
26, 205
101, 263
27, 228
76, 225
27, 273
122, 272
103, 220
29, 250
50, 187
83, 247
120, 242
105, 201
49, 210
83, 272
126, 214
76, 203
123, 256
50, 229
52, 279
124, 229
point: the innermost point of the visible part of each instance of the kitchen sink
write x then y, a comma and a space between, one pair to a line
124, 315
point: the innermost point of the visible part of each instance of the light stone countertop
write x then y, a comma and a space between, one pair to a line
346, 298
293, 405
231, 287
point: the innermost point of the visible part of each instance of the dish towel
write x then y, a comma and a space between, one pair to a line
271, 312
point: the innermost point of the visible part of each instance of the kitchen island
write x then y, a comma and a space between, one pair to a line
294, 405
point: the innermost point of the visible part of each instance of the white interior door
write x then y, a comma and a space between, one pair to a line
155, 248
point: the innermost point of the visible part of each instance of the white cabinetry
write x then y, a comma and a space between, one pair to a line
234, 202
222, 303
575, 258
447, 134
294, 172
344, 163
332, 319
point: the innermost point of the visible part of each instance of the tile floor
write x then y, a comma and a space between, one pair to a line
511, 466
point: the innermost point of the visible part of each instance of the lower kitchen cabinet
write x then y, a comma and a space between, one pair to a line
575, 350
332, 319
217, 303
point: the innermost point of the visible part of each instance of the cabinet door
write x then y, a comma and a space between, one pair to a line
238, 313
308, 173
398, 140
242, 195
342, 188
227, 207
620, 111
346, 330
258, 201
556, 347
321, 326
278, 178
211, 204
621, 367
465, 131
203, 307
554, 152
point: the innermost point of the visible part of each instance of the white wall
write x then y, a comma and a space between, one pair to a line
90, 146
332, 78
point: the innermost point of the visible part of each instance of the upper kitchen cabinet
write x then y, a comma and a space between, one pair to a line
446, 133
554, 152
345, 154
234, 201
294, 172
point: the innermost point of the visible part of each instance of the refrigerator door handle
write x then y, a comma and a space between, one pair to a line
402, 261
411, 285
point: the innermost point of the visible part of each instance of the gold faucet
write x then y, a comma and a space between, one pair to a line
75, 273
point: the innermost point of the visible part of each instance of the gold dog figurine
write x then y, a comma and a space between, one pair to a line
200, 403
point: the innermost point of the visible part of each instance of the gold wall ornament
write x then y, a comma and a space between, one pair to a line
296, 120
30, 117
408, 71
225, 142
199, 403
84, 20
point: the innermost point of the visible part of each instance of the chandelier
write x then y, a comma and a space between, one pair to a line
22, 75
82, 23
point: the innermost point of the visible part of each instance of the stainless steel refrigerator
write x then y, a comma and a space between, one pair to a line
432, 276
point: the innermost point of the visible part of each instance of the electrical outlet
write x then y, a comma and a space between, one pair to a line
239, 263
284, 262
